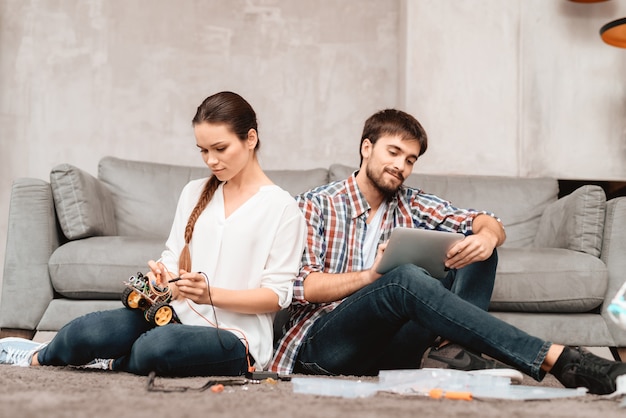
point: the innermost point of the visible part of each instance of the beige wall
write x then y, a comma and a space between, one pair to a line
83, 79
518, 88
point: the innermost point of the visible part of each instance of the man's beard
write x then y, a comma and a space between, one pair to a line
387, 189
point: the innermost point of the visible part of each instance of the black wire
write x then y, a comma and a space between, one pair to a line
153, 387
217, 323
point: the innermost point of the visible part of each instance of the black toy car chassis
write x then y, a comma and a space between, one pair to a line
151, 299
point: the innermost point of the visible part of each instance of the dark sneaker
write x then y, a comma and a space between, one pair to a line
579, 368
453, 356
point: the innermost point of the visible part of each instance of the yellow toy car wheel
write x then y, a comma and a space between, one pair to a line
131, 299
160, 314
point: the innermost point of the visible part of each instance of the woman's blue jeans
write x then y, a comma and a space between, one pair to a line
140, 348
390, 323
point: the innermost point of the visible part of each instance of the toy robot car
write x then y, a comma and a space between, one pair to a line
151, 299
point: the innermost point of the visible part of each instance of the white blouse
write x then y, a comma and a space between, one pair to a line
259, 245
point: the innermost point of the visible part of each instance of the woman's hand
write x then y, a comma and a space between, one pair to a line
159, 275
194, 287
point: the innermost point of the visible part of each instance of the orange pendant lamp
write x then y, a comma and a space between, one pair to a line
614, 33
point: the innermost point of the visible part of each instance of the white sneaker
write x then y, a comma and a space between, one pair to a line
99, 364
18, 351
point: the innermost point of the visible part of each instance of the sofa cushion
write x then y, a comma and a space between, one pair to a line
96, 267
298, 181
548, 280
83, 204
518, 202
575, 222
145, 194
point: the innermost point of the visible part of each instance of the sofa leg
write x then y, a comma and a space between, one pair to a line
15, 332
619, 353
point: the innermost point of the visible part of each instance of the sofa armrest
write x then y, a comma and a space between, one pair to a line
32, 236
613, 255
574, 222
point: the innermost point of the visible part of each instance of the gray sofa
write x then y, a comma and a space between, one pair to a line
72, 241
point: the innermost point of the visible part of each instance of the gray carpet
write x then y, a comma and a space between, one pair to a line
66, 392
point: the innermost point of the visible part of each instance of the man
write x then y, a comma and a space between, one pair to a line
348, 319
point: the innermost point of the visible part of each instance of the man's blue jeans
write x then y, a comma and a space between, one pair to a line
390, 323
139, 348
474, 283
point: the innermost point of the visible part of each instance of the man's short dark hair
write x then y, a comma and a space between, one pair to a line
394, 122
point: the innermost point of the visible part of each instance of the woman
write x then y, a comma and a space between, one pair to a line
235, 248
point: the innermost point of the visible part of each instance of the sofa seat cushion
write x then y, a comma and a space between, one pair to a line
548, 280
96, 267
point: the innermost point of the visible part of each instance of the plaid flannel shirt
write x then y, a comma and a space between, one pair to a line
336, 215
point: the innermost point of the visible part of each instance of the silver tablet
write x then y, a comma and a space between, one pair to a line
425, 248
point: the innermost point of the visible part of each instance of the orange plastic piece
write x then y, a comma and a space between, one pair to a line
439, 393
217, 388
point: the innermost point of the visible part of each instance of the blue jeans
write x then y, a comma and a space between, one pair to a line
140, 348
474, 283
389, 324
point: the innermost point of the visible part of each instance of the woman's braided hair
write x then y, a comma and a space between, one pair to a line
224, 108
